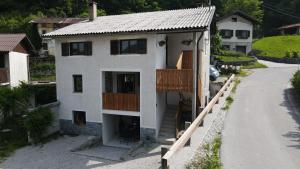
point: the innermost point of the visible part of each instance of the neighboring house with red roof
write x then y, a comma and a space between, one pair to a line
293, 29
14, 51
46, 25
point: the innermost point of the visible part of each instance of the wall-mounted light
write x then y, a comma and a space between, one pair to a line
187, 42
161, 43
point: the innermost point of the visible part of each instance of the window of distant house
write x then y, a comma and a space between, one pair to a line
79, 118
242, 34
45, 46
226, 33
44, 31
77, 83
128, 46
76, 48
226, 47
234, 19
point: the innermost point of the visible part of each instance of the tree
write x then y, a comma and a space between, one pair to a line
250, 7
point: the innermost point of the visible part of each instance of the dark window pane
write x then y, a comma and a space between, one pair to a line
79, 118
65, 49
226, 34
45, 46
242, 34
142, 46
78, 48
114, 47
77, 83
124, 47
88, 48
2, 60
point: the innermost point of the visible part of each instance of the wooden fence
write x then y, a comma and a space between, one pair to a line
121, 101
181, 142
174, 80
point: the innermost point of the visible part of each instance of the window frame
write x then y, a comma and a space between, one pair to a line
237, 32
75, 87
134, 46
67, 48
223, 35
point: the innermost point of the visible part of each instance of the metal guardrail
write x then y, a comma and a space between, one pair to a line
181, 142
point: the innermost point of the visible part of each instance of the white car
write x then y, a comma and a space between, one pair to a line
213, 73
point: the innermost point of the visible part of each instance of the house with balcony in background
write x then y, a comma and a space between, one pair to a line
46, 25
14, 51
134, 76
293, 29
236, 30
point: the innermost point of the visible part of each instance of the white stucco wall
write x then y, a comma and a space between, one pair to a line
18, 68
160, 59
241, 24
91, 67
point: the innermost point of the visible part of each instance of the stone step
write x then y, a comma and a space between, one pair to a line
166, 140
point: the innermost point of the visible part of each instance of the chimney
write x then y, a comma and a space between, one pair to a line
92, 10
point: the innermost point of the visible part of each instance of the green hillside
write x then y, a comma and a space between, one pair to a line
278, 46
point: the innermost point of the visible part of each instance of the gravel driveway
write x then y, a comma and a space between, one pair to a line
57, 155
262, 128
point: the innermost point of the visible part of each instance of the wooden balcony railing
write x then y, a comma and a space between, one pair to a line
174, 80
3, 75
121, 101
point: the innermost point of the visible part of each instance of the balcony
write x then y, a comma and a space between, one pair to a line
174, 80
3, 75
121, 101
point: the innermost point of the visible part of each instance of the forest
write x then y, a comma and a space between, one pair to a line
15, 15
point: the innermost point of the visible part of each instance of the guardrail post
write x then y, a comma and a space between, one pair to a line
186, 126
164, 162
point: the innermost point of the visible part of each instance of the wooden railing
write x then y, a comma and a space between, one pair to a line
178, 120
121, 101
192, 128
3, 75
185, 60
174, 80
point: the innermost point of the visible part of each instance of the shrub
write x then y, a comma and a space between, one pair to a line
37, 122
296, 81
295, 54
209, 159
288, 54
232, 53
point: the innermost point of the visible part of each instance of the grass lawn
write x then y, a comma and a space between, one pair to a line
277, 46
255, 65
50, 78
235, 58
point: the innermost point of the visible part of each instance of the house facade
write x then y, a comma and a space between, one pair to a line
293, 29
46, 25
117, 76
14, 51
236, 31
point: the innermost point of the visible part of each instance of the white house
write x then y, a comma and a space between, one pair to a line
14, 51
121, 76
236, 30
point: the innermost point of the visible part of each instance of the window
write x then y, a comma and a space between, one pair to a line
77, 83
76, 48
45, 46
79, 118
226, 47
242, 49
242, 34
226, 33
234, 19
130, 46
2, 60
126, 83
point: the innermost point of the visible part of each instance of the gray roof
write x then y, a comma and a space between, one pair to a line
159, 21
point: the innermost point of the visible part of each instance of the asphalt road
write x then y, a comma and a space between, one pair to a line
262, 127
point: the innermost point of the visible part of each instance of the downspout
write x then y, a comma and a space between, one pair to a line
195, 73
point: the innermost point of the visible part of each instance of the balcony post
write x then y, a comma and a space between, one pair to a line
194, 98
